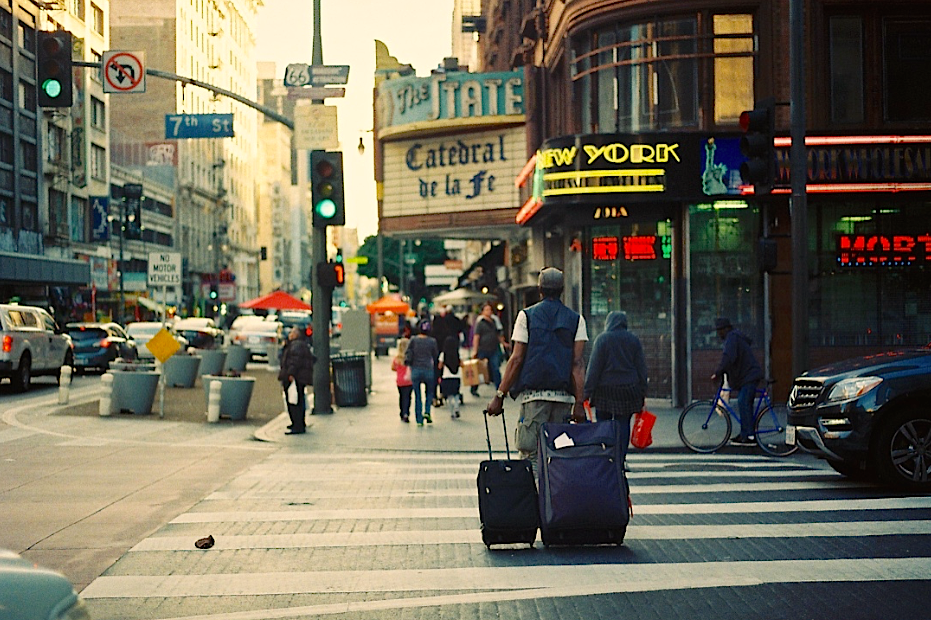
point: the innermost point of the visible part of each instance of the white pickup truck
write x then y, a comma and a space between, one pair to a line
31, 344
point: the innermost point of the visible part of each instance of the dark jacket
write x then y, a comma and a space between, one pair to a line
738, 361
297, 361
422, 352
617, 358
550, 347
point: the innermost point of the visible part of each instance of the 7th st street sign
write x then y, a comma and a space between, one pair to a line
181, 126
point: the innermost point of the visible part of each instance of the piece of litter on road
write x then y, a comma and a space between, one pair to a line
563, 441
204, 543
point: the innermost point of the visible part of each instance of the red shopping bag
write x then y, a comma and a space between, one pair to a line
641, 435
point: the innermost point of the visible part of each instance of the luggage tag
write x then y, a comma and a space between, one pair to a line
563, 441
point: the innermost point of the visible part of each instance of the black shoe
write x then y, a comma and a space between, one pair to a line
405, 419
475, 392
295, 432
290, 426
427, 418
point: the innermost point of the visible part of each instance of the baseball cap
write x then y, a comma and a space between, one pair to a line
551, 278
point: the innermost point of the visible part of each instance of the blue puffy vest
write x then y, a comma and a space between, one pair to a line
548, 361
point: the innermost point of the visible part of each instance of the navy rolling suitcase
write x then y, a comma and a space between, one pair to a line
507, 498
583, 489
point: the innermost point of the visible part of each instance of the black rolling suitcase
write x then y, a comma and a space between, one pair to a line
584, 498
507, 497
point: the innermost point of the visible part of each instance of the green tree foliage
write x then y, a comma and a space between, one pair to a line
429, 252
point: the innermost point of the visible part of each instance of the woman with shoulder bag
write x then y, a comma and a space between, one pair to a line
297, 369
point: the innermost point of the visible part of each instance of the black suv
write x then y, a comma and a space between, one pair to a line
869, 416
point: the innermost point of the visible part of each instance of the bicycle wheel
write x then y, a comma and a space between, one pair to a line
703, 427
770, 430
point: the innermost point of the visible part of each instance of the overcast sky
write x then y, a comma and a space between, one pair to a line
416, 32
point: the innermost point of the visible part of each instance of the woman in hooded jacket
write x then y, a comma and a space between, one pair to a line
616, 381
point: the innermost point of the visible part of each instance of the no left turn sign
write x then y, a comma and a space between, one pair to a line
123, 72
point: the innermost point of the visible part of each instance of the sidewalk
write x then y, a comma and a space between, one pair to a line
378, 425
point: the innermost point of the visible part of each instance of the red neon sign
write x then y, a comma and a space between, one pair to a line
604, 248
883, 250
642, 247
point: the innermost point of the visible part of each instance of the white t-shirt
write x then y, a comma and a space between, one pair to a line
522, 334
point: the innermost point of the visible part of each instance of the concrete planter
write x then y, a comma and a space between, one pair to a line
237, 356
235, 394
212, 361
181, 370
133, 391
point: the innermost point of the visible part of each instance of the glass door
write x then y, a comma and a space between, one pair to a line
631, 270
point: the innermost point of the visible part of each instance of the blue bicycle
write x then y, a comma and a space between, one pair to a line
705, 425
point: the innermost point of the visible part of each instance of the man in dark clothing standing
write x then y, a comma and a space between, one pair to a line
743, 375
546, 372
616, 381
297, 366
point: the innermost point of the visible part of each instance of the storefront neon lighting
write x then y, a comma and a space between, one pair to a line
883, 250
597, 182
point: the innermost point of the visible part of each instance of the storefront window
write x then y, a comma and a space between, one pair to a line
846, 69
873, 274
724, 280
905, 53
631, 271
645, 76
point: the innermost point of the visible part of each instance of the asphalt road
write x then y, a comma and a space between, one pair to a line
366, 517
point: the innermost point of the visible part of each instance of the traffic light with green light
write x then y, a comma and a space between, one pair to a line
53, 69
326, 188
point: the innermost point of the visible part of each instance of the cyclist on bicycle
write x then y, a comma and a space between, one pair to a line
743, 375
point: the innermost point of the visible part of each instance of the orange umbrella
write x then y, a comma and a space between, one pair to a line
388, 303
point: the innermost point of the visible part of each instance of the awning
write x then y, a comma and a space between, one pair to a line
491, 259
152, 305
388, 303
27, 268
462, 296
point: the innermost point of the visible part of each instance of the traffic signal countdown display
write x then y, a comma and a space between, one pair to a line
757, 146
326, 181
331, 275
53, 69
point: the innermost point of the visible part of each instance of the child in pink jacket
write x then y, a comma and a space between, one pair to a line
403, 380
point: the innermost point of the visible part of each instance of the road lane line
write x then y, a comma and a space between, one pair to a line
544, 580
473, 536
839, 505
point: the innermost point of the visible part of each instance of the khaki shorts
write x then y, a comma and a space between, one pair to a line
533, 414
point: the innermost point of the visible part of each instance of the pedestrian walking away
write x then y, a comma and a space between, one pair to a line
451, 381
422, 354
297, 372
616, 380
743, 374
546, 372
403, 380
486, 344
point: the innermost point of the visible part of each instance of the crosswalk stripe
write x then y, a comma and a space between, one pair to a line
902, 503
473, 536
544, 580
833, 482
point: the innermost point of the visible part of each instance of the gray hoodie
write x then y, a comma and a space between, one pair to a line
617, 357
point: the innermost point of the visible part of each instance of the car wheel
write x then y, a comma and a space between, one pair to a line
855, 470
23, 377
903, 451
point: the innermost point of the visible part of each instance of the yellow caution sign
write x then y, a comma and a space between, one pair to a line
163, 345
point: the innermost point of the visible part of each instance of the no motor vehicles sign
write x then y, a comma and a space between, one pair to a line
164, 269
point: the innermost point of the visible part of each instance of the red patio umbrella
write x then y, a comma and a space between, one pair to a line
277, 300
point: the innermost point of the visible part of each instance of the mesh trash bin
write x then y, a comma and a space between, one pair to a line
349, 380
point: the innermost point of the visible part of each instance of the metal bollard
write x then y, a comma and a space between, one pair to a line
106, 392
64, 385
213, 401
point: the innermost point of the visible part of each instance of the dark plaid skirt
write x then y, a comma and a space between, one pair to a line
617, 400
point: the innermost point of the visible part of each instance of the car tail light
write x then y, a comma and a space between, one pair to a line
105, 343
7, 344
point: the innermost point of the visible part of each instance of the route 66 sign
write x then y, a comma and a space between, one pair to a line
297, 74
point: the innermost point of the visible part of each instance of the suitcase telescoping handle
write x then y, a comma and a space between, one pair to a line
507, 448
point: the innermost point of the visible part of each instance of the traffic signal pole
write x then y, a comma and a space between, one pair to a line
798, 156
321, 297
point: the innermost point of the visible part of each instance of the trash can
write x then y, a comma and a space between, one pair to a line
349, 380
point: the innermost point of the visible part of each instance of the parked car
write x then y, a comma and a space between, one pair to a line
201, 333
31, 343
29, 592
302, 319
142, 332
868, 416
257, 335
238, 323
98, 344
